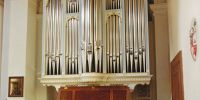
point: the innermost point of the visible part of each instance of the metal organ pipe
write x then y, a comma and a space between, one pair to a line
113, 44
71, 38
53, 33
71, 46
93, 36
83, 47
137, 30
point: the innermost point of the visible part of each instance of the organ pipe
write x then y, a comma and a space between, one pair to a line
53, 37
136, 30
83, 44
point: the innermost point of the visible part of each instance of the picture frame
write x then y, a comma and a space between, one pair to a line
16, 87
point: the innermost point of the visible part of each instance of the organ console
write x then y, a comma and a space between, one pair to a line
95, 42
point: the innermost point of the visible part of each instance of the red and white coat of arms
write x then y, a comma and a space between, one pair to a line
193, 41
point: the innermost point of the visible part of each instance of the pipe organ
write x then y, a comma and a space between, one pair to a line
91, 41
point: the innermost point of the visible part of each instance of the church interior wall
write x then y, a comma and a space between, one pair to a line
181, 14
22, 47
1, 30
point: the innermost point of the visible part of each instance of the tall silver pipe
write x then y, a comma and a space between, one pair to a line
114, 43
135, 34
55, 36
146, 38
90, 35
47, 39
111, 44
145, 25
117, 43
96, 52
140, 34
127, 32
70, 45
73, 49
108, 46
59, 34
99, 33
120, 39
76, 47
83, 29
50, 36
131, 34
67, 47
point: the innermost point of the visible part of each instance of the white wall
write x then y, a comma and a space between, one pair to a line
19, 45
181, 13
1, 30
14, 42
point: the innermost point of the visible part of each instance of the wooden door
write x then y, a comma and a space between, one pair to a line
177, 78
94, 93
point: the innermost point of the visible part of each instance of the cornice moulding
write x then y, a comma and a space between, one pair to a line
159, 8
96, 79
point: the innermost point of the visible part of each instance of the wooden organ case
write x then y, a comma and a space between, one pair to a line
95, 43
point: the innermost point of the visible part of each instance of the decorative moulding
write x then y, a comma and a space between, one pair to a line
159, 8
96, 79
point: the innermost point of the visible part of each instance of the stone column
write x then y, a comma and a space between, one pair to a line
162, 51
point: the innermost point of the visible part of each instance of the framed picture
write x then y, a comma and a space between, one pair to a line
16, 86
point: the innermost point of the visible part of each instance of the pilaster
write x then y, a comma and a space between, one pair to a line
162, 50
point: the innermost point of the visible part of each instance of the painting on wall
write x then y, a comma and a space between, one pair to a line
16, 86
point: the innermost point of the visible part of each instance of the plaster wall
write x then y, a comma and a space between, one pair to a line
19, 37
1, 30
